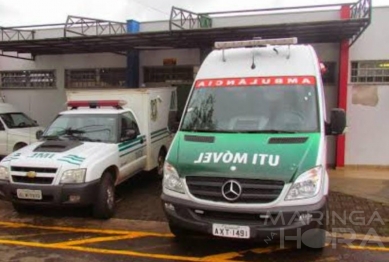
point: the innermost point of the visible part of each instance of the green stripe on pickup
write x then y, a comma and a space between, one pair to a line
77, 157
132, 142
129, 144
72, 158
159, 132
129, 152
70, 162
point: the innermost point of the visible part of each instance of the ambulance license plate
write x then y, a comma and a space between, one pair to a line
231, 231
29, 194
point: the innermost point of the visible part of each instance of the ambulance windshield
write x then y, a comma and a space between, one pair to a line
253, 109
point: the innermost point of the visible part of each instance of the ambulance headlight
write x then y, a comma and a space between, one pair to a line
73, 176
4, 173
171, 180
306, 185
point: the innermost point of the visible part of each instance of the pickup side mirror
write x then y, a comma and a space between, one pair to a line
338, 122
129, 134
38, 134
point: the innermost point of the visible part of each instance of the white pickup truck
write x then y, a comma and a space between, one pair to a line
104, 138
16, 129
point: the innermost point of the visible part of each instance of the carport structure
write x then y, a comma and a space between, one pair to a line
187, 29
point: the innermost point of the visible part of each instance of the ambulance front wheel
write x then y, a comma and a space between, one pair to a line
161, 161
179, 232
20, 208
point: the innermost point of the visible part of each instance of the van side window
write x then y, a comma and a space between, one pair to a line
128, 122
1, 126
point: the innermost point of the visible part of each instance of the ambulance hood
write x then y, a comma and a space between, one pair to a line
256, 156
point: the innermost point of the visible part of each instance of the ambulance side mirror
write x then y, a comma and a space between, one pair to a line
337, 125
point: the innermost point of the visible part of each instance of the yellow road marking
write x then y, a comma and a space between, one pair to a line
358, 236
370, 248
221, 257
230, 255
96, 240
83, 230
32, 235
102, 251
267, 249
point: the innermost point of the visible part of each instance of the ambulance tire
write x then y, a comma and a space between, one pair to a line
316, 242
179, 232
20, 208
104, 206
315, 239
161, 162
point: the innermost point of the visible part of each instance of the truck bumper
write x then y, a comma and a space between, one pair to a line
279, 223
76, 194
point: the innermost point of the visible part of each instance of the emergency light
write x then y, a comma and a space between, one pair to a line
99, 103
256, 42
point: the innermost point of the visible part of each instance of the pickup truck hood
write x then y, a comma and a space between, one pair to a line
261, 156
56, 153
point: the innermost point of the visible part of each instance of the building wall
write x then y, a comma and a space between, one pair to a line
367, 140
43, 105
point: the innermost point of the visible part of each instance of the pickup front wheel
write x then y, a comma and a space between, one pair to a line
105, 201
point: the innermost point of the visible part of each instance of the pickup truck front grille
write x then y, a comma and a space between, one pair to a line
34, 169
32, 180
253, 190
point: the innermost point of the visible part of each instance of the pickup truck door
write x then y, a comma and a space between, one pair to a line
132, 151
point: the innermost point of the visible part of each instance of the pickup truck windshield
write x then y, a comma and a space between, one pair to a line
84, 127
253, 109
17, 120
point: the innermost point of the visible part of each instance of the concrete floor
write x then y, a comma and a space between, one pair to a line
372, 184
139, 231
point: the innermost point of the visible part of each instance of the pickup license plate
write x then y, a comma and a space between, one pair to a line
29, 194
231, 231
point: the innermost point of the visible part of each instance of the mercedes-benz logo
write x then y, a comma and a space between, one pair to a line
231, 190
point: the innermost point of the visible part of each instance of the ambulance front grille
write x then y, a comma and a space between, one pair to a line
253, 190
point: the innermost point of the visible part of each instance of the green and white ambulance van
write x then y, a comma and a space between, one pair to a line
249, 157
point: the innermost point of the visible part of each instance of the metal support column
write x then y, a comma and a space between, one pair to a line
132, 73
343, 80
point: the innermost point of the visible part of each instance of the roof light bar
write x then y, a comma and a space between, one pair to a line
98, 103
256, 42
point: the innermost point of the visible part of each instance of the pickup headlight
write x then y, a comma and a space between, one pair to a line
73, 176
306, 185
4, 173
171, 180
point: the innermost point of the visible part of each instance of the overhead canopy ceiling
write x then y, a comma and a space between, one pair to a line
307, 32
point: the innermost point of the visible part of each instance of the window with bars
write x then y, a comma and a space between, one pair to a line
95, 78
28, 79
168, 74
370, 72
